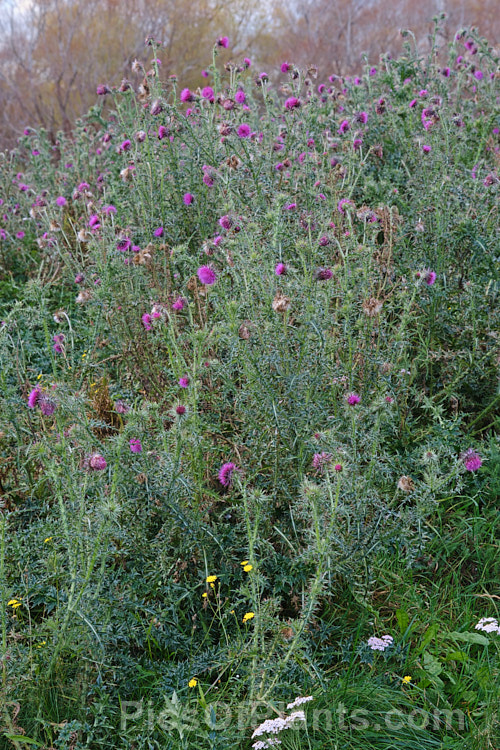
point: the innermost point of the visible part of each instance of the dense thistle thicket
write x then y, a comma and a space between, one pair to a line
249, 349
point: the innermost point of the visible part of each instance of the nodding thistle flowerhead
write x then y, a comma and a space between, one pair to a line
244, 130
207, 275
135, 445
34, 397
96, 462
321, 460
292, 103
226, 472
472, 460
187, 96
353, 399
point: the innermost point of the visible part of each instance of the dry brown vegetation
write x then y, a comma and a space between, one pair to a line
53, 53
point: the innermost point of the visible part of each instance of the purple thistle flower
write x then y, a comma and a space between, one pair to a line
344, 127
146, 321
47, 406
244, 130
240, 97
478, 75
430, 277
162, 132
226, 472
61, 200
135, 445
323, 274
292, 103
472, 460
184, 382
97, 462
362, 117
285, 67
179, 304
34, 397
187, 95
79, 278
280, 269
180, 410
125, 145
158, 232
124, 244
226, 222
208, 93
353, 399
413, 103
320, 460
223, 41
188, 199
426, 149
207, 275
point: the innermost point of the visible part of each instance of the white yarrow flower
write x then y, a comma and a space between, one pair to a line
380, 644
299, 701
488, 625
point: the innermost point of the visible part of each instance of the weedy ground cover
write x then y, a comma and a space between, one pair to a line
249, 454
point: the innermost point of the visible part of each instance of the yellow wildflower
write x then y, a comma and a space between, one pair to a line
248, 568
39, 376
49, 539
204, 595
211, 579
14, 603
248, 616
245, 562
406, 679
192, 682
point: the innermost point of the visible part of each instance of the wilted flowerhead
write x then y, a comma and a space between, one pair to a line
226, 472
321, 460
472, 460
323, 274
406, 484
207, 275
121, 407
47, 405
